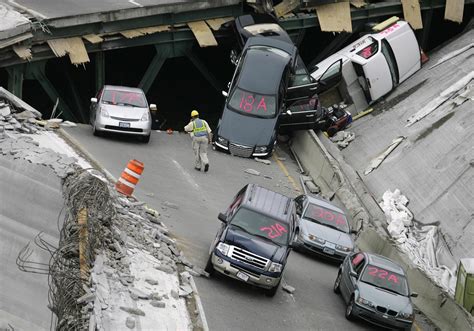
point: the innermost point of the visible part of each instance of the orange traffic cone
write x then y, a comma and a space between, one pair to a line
129, 177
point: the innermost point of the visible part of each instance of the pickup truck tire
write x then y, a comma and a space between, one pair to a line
209, 267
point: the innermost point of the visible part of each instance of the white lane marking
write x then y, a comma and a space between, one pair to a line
186, 175
135, 3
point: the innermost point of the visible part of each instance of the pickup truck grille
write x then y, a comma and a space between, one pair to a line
240, 150
247, 257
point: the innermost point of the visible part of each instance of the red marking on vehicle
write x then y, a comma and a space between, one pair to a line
381, 273
328, 216
247, 103
357, 259
390, 29
274, 231
262, 104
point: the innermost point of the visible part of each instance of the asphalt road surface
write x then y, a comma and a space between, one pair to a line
169, 175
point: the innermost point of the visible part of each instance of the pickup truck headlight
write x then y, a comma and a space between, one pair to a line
223, 248
316, 239
366, 303
104, 113
222, 141
275, 267
261, 149
343, 248
145, 117
406, 316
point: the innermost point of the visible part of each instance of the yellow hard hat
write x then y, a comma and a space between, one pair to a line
194, 113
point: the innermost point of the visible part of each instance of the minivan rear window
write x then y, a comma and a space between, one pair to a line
253, 103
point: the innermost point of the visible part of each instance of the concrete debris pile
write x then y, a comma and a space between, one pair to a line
423, 244
17, 119
140, 277
343, 138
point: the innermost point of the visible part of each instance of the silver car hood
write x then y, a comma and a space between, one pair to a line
125, 112
326, 233
380, 297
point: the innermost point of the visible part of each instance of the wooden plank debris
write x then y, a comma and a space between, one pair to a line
454, 10
412, 13
93, 38
285, 7
144, 31
23, 52
74, 47
335, 17
216, 23
202, 33
358, 3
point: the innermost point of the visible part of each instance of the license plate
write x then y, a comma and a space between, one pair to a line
328, 251
124, 124
243, 276
331, 246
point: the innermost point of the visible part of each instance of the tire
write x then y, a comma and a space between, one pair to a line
332, 131
271, 292
209, 267
296, 243
337, 284
349, 310
95, 132
146, 139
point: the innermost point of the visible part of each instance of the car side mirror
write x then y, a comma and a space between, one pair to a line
224, 93
222, 217
414, 294
353, 274
153, 107
94, 100
228, 84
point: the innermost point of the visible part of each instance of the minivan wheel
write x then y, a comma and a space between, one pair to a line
337, 284
209, 267
349, 309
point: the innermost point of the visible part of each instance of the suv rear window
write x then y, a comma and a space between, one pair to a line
261, 225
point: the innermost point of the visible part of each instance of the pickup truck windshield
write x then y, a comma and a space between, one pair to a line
261, 225
253, 103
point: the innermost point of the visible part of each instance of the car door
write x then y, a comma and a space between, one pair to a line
354, 263
94, 107
331, 78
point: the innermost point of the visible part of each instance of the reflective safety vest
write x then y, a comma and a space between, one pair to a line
199, 128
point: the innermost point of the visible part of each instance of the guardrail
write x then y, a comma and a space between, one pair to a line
328, 170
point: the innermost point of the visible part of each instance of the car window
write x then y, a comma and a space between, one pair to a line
261, 225
304, 105
301, 75
252, 103
333, 70
392, 63
124, 98
299, 202
368, 51
385, 279
326, 216
267, 29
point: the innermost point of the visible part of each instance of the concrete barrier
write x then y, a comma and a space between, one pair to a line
328, 169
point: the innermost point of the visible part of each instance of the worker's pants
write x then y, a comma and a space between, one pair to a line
200, 151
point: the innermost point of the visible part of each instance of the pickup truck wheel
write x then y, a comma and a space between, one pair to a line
337, 284
209, 267
271, 292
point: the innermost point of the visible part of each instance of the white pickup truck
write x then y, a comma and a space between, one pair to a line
370, 67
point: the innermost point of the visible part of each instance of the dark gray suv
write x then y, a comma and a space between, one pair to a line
375, 289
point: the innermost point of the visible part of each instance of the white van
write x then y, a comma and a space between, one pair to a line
371, 66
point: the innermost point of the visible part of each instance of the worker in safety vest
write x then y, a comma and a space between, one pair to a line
201, 134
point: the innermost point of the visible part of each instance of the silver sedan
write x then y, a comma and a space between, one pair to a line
322, 228
123, 110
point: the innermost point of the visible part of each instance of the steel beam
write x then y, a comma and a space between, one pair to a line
36, 71
99, 70
15, 79
162, 53
75, 96
204, 71
427, 18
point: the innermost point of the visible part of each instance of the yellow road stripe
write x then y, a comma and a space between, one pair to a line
285, 171
417, 328
361, 114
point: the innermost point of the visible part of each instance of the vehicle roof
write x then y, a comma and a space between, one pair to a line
384, 262
262, 71
290, 48
323, 203
122, 88
268, 202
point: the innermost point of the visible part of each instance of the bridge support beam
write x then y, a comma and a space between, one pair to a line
15, 79
162, 53
203, 69
99, 70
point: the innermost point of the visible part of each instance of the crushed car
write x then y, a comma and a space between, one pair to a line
370, 67
255, 239
376, 290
